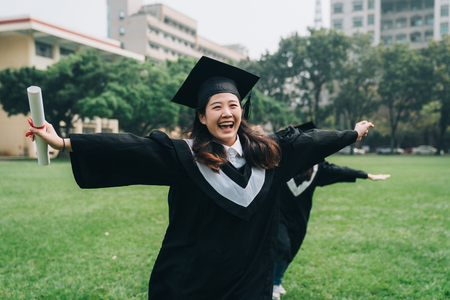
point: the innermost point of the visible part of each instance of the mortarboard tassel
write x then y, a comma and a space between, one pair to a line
247, 107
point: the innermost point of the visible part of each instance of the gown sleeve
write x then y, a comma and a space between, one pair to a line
302, 150
118, 159
331, 173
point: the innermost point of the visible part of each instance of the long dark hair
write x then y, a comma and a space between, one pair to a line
259, 150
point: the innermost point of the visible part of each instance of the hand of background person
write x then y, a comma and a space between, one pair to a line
363, 129
50, 136
378, 177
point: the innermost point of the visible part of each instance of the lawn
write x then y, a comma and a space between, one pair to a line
366, 240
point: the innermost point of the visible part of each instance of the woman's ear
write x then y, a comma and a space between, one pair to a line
201, 118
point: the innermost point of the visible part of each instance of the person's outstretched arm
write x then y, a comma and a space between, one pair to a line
331, 173
302, 150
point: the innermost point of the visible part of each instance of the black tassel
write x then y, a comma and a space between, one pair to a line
247, 107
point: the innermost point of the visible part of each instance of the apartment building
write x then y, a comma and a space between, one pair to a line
27, 41
161, 33
389, 21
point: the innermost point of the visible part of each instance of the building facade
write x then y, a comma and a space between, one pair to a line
27, 41
161, 33
390, 21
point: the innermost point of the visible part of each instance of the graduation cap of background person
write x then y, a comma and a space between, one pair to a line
210, 77
305, 126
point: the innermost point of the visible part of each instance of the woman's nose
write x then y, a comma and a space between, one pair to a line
226, 112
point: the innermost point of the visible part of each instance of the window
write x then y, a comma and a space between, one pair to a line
154, 47
65, 52
372, 36
428, 35
429, 20
371, 4
370, 19
337, 8
153, 30
357, 5
415, 37
122, 45
337, 24
122, 30
444, 10
386, 24
400, 23
401, 38
357, 22
121, 15
401, 6
416, 21
444, 28
416, 4
387, 7
429, 3
44, 50
88, 130
387, 39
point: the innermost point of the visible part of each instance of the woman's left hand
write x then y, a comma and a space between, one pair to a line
363, 129
378, 177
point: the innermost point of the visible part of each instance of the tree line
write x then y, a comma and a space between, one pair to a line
335, 80
325, 77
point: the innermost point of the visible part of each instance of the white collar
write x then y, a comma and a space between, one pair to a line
236, 146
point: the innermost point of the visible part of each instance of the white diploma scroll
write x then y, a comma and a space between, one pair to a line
37, 114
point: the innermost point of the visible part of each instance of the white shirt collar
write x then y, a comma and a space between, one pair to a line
236, 146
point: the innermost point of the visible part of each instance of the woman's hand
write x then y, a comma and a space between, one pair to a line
49, 135
363, 129
378, 177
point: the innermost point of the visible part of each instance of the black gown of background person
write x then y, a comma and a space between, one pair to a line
296, 198
213, 248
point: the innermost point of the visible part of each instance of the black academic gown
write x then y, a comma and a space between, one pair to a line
296, 202
213, 249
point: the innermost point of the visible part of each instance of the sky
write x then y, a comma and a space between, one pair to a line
259, 25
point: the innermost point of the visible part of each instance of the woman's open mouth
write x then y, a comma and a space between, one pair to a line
226, 125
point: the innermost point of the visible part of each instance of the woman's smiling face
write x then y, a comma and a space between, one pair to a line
222, 117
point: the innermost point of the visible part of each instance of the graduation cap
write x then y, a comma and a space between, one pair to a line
210, 77
305, 126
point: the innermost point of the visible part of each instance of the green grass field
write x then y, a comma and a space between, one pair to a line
369, 240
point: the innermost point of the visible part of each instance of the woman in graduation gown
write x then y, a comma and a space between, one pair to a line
223, 213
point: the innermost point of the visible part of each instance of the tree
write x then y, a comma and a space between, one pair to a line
439, 54
71, 80
358, 82
406, 83
13, 88
63, 85
138, 95
266, 110
313, 62
178, 72
273, 77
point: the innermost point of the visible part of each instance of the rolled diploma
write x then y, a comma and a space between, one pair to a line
37, 114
